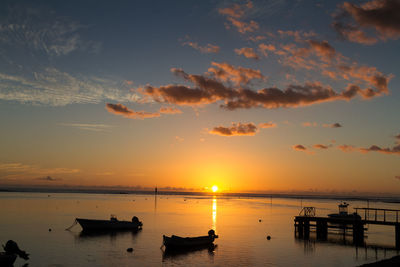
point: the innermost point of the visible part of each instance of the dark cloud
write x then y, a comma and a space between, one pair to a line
299, 148
388, 150
210, 88
333, 125
119, 109
237, 129
382, 16
320, 146
48, 178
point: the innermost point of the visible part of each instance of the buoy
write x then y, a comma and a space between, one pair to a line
129, 249
268, 238
49, 229
259, 220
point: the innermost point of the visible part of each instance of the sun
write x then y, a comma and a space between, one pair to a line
214, 188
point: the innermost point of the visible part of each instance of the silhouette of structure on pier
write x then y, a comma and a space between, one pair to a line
347, 223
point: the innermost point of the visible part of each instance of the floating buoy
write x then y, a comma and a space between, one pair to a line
49, 229
268, 237
129, 249
259, 220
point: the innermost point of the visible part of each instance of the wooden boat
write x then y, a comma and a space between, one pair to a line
109, 225
7, 259
177, 242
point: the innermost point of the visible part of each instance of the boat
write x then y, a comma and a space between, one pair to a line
113, 224
344, 214
177, 242
7, 259
11, 251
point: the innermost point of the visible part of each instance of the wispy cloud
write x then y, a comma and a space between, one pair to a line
20, 170
208, 48
333, 125
119, 109
88, 126
267, 125
237, 129
56, 88
299, 148
49, 179
235, 14
170, 110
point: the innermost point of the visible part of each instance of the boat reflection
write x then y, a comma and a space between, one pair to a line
112, 235
178, 253
214, 213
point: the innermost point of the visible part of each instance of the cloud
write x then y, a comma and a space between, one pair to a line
309, 124
320, 146
266, 125
323, 49
119, 109
208, 89
179, 139
88, 126
237, 129
374, 148
234, 15
20, 170
209, 48
347, 148
42, 31
247, 52
333, 125
263, 48
378, 15
238, 75
48, 178
56, 88
397, 177
299, 148
170, 110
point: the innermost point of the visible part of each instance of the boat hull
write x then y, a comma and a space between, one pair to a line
176, 242
7, 259
107, 225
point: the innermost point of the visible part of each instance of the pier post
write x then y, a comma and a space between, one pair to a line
306, 229
300, 228
322, 229
397, 234
358, 232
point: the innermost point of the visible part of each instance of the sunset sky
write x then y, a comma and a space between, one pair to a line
269, 96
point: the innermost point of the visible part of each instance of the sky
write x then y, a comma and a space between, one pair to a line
251, 96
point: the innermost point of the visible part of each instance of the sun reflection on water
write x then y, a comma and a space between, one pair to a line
214, 213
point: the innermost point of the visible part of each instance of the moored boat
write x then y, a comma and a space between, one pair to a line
177, 242
7, 259
109, 225
12, 250
344, 214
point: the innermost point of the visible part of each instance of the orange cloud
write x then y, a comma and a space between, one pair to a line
309, 124
333, 125
247, 52
263, 48
238, 75
380, 15
170, 110
266, 125
395, 150
237, 129
299, 148
235, 12
119, 109
347, 148
209, 48
320, 146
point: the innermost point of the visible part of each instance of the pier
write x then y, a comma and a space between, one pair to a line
355, 223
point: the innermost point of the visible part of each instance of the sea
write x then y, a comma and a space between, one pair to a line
38, 221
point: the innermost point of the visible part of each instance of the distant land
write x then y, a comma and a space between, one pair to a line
167, 191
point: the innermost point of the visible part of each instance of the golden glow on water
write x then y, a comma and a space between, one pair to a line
214, 188
214, 213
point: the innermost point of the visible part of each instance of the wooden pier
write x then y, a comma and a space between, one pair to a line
354, 223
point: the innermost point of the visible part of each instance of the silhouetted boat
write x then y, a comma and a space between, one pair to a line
344, 214
177, 242
109, 225
7, 259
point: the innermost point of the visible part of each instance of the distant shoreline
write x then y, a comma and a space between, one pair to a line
341, 197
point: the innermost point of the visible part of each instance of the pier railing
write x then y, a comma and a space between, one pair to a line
379, 215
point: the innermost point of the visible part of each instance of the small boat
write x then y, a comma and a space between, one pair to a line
344, 214
12, 250
177, 242
7, 259
109, 225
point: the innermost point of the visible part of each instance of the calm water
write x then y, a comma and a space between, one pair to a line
27, 217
